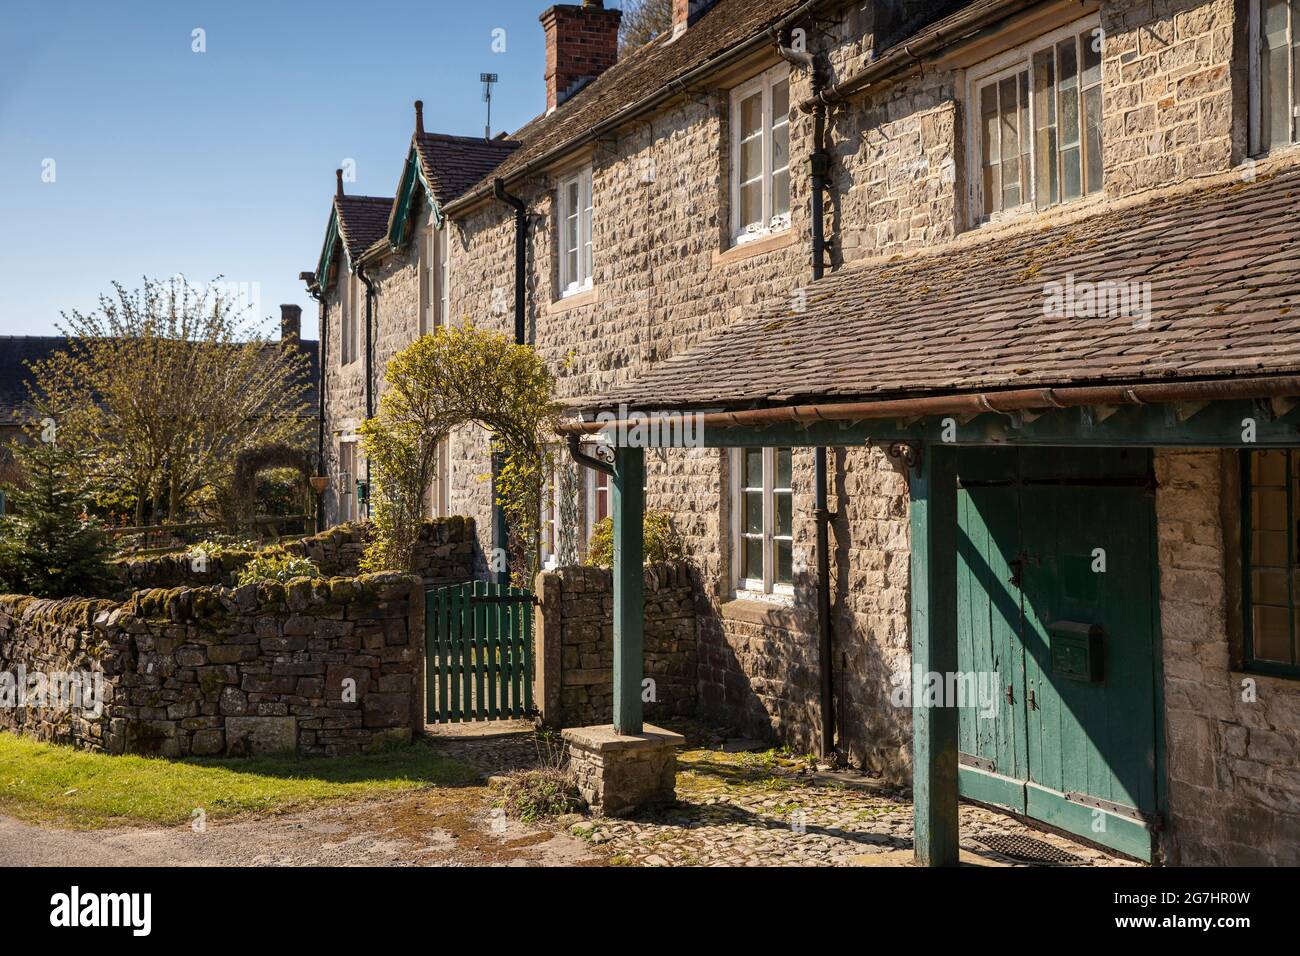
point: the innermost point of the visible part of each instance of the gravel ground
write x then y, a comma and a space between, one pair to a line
737, 806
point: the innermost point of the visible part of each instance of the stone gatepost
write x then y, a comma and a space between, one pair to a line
619, 774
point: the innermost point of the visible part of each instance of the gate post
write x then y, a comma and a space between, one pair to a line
627, 495
933, 516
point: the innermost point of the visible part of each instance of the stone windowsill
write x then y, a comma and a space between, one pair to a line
755, 247
575, 301
774, 613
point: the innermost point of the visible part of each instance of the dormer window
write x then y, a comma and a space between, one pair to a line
760, 156
1274, 69
573, 208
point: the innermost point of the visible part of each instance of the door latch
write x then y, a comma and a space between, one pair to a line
1033, 704
1016, 565
1011, 698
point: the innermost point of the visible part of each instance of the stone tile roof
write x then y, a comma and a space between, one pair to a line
640, 73
1223, 264
452, 164
362, 221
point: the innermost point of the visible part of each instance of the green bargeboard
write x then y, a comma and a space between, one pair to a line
1038, 516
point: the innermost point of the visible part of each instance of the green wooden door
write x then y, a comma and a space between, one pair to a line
478, 652
991, 742
1073, 529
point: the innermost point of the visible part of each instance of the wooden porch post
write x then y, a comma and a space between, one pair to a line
933, 492
627, 493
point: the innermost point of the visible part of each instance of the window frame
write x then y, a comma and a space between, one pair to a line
345, 315
1255, 47
347, 491
1010, 63
439, 494
598, 483
584, 278
549, 523
1249, 663
766, 587
770, 223
434, 274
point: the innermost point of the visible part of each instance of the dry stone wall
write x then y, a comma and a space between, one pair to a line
329, 666
575, 644
444, 554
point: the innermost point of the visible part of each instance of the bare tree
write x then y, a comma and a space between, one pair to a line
164, 386
643, 20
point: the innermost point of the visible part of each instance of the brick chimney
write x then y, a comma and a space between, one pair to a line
290, 323
686, 12
581, 44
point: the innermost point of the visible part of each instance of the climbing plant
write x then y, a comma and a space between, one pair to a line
453, 377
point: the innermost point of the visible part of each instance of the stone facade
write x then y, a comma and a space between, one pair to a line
444, 554
575, 644
331, 666
666, 275
1232, 738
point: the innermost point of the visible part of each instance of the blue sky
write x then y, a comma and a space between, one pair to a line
169, 161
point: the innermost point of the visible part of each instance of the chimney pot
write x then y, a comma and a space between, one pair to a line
338, 178
581, 44
419, 116
290, 323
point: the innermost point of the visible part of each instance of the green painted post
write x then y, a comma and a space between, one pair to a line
627, 494
933, 492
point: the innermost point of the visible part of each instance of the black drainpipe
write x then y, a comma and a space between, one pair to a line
370, 377
819, 164
521, 251
521, 248
323, 312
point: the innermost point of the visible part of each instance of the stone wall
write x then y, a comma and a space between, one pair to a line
1232, 739
331, 666
575, 649
444, 554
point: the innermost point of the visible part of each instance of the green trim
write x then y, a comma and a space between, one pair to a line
1121, 833
994, 789
1249, 663
327, 251
627, 504
412, 178
1217, 425
933, 518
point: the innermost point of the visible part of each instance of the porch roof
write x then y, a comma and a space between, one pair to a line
1224, 290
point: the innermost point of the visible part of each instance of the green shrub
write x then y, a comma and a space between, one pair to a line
277, 567
662, 542
219, 546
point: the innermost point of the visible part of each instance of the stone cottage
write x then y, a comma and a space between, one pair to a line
992, 299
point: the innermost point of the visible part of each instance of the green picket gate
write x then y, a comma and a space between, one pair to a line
478, 652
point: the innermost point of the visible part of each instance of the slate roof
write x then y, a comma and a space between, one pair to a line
362, 221
1223, 265
19, 352
16, 352
452, 164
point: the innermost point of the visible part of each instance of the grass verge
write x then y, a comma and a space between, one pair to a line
59, 786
